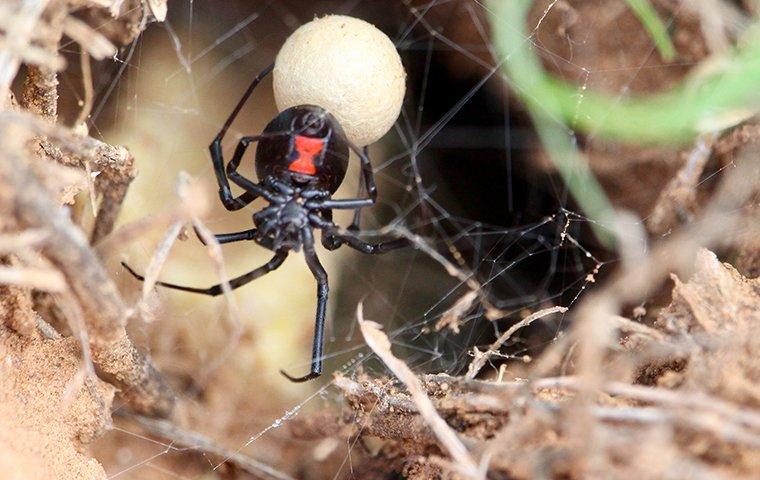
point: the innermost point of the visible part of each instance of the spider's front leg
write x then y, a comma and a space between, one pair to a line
357, 221
330, 242
332, 232
367, 176
225, 174
225, 194
229, 201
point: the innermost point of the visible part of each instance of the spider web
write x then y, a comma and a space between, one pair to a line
519, 237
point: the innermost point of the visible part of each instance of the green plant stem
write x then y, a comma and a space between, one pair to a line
676, 116
648, 17
525, 72
670, 118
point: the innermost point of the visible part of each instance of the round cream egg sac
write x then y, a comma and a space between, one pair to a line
346, 66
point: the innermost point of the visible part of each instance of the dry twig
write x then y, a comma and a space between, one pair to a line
68, 250
17, 36
451, 317
158, 259
45, 279
115, 164
679, 198
379, 343
482, 357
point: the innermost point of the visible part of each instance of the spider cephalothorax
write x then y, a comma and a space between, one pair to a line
301, 160
293, 208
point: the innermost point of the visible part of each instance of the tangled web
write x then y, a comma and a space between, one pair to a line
451, 175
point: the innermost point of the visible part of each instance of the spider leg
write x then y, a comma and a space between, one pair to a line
244, 99
223, 238
322, 290
348, 204
253, 190
366, 169
269, 189
356, 223
217, 157
369, 185
250, 186
330, 230
328, 240
372, 248
216, 290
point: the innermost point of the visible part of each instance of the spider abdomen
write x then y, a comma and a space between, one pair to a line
304, 146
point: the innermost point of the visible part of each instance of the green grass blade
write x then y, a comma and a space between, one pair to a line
672, 117
648, 17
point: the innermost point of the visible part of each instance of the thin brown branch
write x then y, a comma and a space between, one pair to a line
451, 317
87, 87
379, 343
114, 355
678, 200
17, 35
112, 183
13, 242
158, 259
115, 164
44, 279
482, 357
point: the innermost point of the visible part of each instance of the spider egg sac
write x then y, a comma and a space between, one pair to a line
346, 66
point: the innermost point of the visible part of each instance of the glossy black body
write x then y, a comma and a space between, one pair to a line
275, 153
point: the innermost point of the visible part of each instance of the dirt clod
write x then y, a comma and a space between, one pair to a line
46, 421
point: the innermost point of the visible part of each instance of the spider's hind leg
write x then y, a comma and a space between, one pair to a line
320, 275
216, 290
223, 238
373, 248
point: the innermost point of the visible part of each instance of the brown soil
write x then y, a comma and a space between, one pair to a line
45, 421
711, 325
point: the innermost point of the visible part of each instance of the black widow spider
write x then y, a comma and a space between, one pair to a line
301, 160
